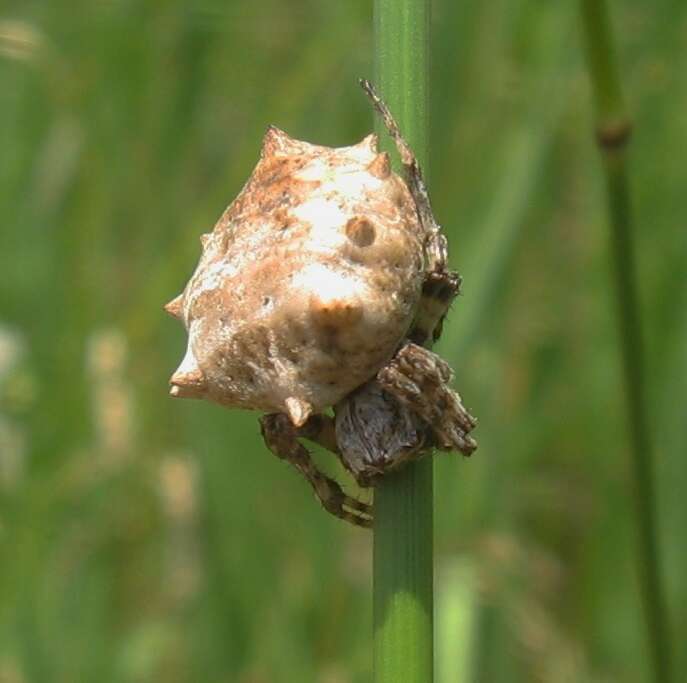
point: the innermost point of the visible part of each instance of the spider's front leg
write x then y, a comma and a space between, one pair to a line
420, 381
281, 437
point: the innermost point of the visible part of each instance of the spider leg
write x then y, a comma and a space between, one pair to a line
419, 379
322, 430
281, 437
438, 291
441, 285
437, 247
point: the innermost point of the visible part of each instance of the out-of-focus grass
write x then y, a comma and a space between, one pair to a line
145, 539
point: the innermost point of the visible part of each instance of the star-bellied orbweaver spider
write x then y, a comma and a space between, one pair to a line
408, 407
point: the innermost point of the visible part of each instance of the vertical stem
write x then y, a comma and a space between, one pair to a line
403, 527
613, 132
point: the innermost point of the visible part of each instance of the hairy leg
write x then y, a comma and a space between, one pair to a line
441, 285
437, 247
281, 437
438, 291
419, 380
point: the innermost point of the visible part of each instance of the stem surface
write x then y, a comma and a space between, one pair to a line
613, 132
403, 520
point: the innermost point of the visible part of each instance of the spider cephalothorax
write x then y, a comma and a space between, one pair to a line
317, 288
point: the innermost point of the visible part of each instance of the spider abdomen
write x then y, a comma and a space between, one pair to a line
307, 284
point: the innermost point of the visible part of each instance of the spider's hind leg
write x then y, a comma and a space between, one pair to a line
281, 437
436, 245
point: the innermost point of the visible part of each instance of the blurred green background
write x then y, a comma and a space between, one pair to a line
146, 539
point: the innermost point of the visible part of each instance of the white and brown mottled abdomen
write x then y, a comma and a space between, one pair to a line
307, 284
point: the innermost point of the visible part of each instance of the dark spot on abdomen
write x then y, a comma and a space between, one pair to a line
360, 231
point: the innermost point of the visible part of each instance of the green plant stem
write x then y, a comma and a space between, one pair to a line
613, 132
403, 527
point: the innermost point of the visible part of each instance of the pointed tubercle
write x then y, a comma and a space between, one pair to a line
369, 143
298, 410
188, 381
278, 143
175, 307
380, 166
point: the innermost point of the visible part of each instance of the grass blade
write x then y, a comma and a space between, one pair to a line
403, 531
613, 133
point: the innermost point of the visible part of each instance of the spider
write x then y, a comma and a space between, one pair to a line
408, 408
